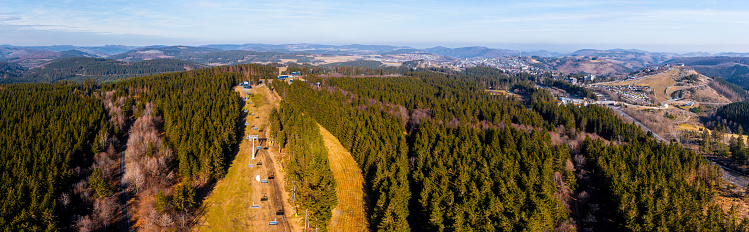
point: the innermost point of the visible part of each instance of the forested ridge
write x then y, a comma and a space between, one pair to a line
62, 143
473, 160
308, 171
45, 130
99, 69
437, 152
655, 186
734, 113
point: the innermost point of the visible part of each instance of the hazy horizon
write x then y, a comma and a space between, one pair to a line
557, 48
553, 25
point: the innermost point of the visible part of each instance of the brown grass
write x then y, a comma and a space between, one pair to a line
729, 198
227, 208
336, 59
660, 83
349, 214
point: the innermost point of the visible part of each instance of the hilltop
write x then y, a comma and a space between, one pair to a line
99, 69
732, 69
612, 63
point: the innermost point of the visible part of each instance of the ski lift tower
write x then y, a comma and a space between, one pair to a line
253, 138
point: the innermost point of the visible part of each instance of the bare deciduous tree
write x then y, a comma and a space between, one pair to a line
65, 200
105, 210
579, 160
85, 224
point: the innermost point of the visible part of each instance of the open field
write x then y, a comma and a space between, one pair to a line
336, 59
349, 214
733, 198
660, 83
227, 208
689, 127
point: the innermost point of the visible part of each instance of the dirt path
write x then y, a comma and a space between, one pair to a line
227, 208
349, 214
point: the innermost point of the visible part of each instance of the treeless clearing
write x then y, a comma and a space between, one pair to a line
227, 208
349, 214
726, 137
729, 198
660, 83
336, 59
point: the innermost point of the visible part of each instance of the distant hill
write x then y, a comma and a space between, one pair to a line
108, 50
10, 71
629, 58
542, 53
733, 69
309, 48
100, 51
240, 57
358, 63
472, 52
737, 112
100, 69
31, 57
210, 56
477, 51
588, 65
161, 52
729, 90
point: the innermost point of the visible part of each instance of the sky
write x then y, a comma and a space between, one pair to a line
555, 25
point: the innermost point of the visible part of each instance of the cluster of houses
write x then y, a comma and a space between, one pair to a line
632, 93
574, 81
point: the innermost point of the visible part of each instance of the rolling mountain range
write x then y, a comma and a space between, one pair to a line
99, 69
732, 69
614, 62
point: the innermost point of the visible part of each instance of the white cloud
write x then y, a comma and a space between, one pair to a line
409, 22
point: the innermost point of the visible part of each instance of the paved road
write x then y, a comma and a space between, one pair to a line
123, 191
712, 103
638, 123
733, 177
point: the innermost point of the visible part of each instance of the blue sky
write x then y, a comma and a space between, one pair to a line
557, 25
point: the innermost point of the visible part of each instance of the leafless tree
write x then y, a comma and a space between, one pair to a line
579, 160
85, 224
568, 165
166, 220
134, 175
105, 210
65, 200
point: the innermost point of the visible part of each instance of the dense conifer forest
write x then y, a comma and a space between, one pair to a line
46, 131
469, 159
308, 171
61, 144
437, 152
734, 115
99, 69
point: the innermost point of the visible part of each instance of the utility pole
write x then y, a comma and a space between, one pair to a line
253, 138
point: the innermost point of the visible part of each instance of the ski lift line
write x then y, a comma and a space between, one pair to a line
253, 138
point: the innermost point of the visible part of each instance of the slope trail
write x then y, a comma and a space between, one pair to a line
349, 214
